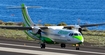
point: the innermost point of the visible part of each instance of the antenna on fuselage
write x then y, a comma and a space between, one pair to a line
78, 21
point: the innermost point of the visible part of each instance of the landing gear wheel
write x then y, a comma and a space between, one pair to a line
42, 45
77, 48
63, 45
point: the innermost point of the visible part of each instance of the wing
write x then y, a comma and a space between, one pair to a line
16, 27
91, 25
21, 27
47, 27
86, 25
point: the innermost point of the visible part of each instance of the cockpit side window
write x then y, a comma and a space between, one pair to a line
75, 34
71, 34
79, 34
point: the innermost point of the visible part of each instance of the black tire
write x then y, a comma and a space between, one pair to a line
63, 45
42, 45
77, 48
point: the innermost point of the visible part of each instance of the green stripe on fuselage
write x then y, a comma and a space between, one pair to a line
44, 39
78, 37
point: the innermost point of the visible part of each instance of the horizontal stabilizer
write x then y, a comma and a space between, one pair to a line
19, 7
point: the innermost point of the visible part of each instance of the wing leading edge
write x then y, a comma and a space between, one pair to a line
91, 25
16, 27
21, 27
86, 25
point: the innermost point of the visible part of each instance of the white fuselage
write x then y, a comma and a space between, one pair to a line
63, 35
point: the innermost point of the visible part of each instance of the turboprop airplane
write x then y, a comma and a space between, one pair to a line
51, 34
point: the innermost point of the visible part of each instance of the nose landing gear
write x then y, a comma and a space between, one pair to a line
77, 47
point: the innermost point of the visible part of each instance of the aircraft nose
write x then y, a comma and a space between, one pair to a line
80, 41
79, 38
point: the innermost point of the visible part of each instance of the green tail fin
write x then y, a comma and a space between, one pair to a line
27, 20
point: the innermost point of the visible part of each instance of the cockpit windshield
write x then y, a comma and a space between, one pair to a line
74, 34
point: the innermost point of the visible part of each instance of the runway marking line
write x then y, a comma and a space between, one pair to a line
31, 51
53, 48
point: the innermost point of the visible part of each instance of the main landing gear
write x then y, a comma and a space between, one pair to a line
63, 45
42, 42
42, 45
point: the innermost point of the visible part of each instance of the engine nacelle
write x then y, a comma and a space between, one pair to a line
36, 29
